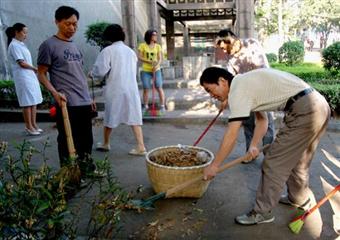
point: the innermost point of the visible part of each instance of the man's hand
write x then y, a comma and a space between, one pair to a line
94, 106
210, 171
254, 152
89, 74
58, 97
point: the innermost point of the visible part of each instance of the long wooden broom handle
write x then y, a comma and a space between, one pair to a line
68, 132
206, 130
322, 201
230, 164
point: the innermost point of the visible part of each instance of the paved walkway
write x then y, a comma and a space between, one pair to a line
229, 194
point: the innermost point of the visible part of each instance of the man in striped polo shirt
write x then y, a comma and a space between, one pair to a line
288, 159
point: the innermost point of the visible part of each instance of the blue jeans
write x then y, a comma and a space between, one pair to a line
249, 126
146, 78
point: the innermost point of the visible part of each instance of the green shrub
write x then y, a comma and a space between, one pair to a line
331, 57
291, 52
34, 200
32, 206
332, 94
309, 72
7, 91
327, 84
272, 57
94, 34
8, 97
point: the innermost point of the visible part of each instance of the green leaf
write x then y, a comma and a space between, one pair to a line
43, 206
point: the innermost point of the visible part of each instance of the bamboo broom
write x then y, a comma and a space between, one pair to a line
70, 173
297, 223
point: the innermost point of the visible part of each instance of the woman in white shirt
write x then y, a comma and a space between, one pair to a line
117, 63
26, 82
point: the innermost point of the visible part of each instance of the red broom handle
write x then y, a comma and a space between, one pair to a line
322, 201
153, 108
206, 130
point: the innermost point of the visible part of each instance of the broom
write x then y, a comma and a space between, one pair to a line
297, 223
70, 173
206, 130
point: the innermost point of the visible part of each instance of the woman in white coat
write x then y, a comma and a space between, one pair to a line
117, 63
26, 82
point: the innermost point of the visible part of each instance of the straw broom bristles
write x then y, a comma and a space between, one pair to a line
297, 223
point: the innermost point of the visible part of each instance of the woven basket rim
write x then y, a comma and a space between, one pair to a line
179, 168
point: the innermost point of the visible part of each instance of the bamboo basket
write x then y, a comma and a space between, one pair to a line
163, 177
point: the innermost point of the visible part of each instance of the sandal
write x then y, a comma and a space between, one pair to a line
137, 152
102, 148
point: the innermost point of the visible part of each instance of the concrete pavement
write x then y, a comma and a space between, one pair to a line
229, 194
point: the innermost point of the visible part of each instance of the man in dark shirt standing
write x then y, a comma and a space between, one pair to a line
60, 57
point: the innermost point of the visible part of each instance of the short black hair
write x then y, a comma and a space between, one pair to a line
212, 74
65, 12
114, 33
10, 31
148, 35
226, 33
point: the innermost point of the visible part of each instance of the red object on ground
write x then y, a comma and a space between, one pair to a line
53, 111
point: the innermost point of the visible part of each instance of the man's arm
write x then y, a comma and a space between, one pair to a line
261, 126
42, 76
227, 145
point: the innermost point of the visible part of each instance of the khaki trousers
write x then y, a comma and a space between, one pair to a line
289, 157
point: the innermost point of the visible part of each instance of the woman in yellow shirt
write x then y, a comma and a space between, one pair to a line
150, 53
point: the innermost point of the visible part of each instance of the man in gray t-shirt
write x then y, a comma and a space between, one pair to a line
60, 57
64, 62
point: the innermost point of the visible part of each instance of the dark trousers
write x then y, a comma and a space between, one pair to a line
81, 125
249, 127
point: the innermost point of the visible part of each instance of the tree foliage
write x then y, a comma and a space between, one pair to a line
321, 16
297, 17
94, 34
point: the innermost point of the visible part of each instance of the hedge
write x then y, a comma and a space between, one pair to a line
8, 97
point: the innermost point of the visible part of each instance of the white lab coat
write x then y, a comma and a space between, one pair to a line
117, 63
26, 82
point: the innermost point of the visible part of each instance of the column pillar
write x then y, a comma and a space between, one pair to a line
245, 18
153, 24
170, 38
186, 41
128, 22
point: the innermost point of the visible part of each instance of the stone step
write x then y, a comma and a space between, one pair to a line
184, 116
167, 84
177, 117
177, 83
176, 99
